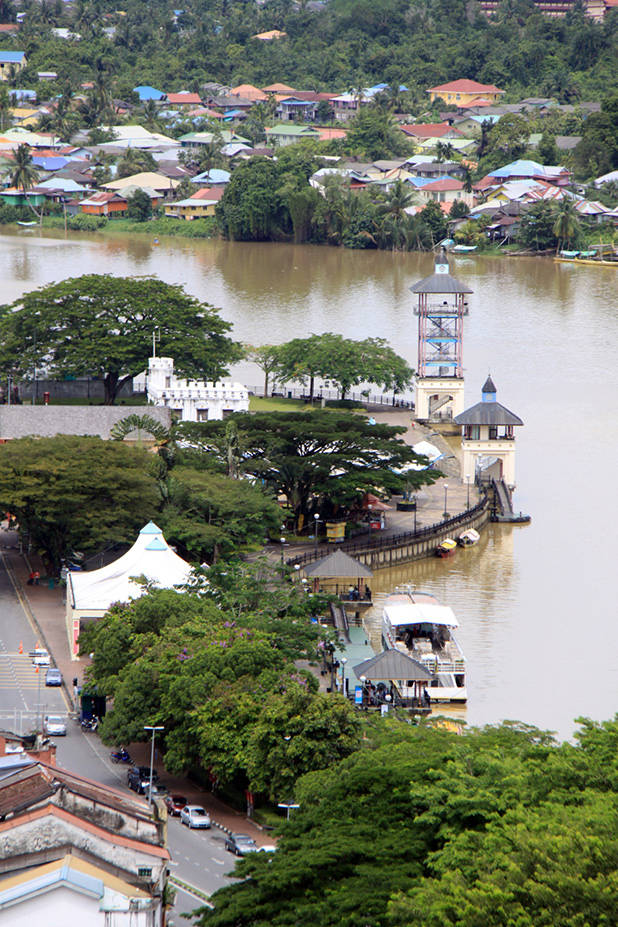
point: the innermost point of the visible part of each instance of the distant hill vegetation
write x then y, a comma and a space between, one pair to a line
336, 46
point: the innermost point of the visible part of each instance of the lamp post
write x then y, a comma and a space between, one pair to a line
468, 485
445, 513
282, 539
153, 728
316, 522
344, 660
363, 680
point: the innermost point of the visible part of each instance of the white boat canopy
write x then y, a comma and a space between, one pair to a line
420, 613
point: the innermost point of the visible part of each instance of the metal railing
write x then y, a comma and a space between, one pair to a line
396, 540
366, 397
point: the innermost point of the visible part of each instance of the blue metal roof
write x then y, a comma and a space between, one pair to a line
50, 164
11, 57
145, 92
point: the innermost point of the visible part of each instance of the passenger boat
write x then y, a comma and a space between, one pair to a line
468, 538
447, 548
415, 623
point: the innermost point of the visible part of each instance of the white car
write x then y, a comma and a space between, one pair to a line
40, 658
194, 816
55, 726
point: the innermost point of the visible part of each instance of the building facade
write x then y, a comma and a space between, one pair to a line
190, 400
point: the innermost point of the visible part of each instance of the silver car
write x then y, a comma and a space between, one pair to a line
194, 816
55, 725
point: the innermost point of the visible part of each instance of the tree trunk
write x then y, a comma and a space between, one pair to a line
311, 385
266, 383
111, 388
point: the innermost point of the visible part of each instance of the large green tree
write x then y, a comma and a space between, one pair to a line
320, 458
104, 326
76, 494
344, 361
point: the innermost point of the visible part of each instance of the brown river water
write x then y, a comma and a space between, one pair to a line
536, 604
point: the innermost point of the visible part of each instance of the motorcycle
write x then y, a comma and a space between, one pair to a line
90, 724
120, 756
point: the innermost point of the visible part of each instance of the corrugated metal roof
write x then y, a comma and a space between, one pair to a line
338, 564
392, 664
440, 283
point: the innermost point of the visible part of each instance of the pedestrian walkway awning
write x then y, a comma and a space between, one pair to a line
338, 566
392, 664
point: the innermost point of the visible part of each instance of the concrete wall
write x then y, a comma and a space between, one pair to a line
48, 421
83, 388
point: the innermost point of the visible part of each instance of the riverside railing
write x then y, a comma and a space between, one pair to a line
392, 541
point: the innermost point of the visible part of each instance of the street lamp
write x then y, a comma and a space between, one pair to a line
317, 521
468, 485
282, 539
445, 514
344, 660
154, 729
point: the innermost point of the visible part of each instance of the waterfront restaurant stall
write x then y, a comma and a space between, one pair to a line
384, 676
340, 575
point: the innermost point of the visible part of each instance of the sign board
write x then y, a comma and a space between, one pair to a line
358, 695
335, 531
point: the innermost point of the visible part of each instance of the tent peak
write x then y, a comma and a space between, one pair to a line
151, 528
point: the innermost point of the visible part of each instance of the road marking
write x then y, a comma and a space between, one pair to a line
221, 862
27, 612
189, 889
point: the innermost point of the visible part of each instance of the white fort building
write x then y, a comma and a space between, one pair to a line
190, 400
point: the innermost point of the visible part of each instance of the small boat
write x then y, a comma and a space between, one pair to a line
27, 224
469, 538
463, 249
415, 623
447, 548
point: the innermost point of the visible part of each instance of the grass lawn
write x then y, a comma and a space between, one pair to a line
276, 404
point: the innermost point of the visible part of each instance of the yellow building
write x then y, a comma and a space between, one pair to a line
199, 206
465, 93
11, 62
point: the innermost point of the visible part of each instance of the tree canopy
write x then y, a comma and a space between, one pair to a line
322, 458
424, 828
103, 326
76, 494
344, 361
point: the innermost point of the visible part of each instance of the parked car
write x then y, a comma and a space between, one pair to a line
240, 844
55, 725
53, 677
158, 789
175, 804
138, 778
194, 816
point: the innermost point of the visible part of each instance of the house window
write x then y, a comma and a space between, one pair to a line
227, 413
168, 382
177, 412
475, 432
202, 415
144, 872
493, 432
458, 96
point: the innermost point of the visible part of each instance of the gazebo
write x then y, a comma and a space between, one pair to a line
339, 566
399, 670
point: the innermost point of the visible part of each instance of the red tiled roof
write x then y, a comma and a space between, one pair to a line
9, 27
429, 130
192, 98
466, 86
444, 184
477, 101
310, 96
327, 134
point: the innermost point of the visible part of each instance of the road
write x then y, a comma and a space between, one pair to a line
199, 858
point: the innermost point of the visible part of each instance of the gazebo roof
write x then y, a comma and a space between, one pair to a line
488, 413
338, 565
392, 664
439, 284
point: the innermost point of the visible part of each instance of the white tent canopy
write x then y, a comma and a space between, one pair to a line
151, 556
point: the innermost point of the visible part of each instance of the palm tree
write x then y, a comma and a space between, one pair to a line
566, 227
400, 198
444, 151
25, 175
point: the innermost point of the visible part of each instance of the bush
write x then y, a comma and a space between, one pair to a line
9, 213
84, 223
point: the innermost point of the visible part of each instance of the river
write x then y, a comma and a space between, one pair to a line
539, 621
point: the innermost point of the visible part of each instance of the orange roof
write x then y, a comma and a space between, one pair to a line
249, 92
447, 183
278, 88
208, 193
477, 101
9, 27
184, 97
465, 86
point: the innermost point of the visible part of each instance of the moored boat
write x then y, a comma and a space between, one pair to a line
447, 548
468, 538
415, 623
